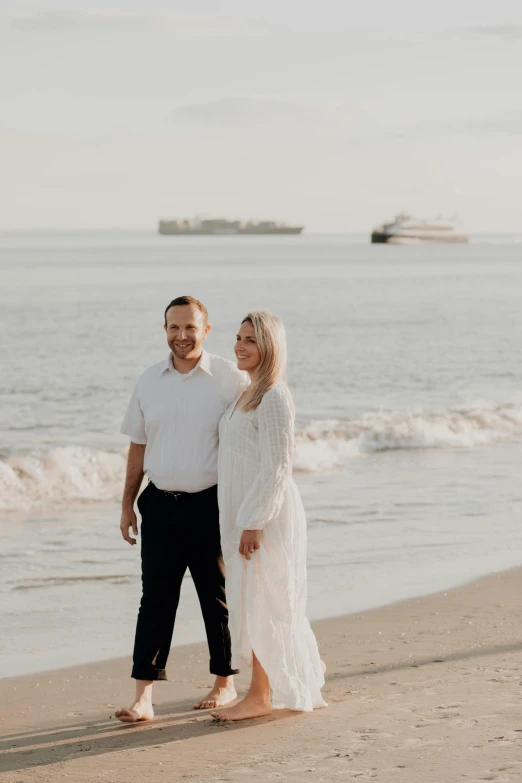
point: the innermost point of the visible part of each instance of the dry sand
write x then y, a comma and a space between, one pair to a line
425, 690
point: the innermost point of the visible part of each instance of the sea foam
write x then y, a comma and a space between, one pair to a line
71, 473
323, 445
79, 474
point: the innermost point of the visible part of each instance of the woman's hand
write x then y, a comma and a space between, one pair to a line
250, 542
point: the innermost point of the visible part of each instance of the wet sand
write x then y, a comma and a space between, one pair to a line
428, 689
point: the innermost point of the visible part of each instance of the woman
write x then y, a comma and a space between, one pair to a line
263, 533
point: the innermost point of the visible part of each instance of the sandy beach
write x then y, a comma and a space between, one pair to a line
424, 690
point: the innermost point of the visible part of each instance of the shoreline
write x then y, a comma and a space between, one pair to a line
424, 689
192, 646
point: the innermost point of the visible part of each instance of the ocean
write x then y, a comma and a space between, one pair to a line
406, 369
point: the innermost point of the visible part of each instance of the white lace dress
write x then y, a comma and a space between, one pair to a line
266, 595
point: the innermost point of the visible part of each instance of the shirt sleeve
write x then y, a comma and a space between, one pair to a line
264, 499
134, 421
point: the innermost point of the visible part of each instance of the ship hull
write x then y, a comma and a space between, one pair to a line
380, 237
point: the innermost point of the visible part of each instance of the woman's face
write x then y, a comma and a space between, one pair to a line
247, 351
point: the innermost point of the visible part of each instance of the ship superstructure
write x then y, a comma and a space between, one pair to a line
221, 226
406, 230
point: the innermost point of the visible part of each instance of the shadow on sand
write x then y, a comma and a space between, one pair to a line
173, 723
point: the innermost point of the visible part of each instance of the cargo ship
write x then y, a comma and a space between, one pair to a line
406, 230
222, 227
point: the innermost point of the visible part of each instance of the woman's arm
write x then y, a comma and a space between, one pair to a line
264, 499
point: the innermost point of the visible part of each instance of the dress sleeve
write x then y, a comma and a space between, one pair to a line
134, 421
264, 499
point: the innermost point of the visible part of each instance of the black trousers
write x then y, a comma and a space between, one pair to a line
179, 532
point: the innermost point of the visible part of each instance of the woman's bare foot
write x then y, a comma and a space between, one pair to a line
139, 711
249, 707
222, 693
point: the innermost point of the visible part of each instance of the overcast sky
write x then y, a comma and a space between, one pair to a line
335, 114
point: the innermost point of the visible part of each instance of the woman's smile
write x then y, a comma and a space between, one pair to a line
246, 348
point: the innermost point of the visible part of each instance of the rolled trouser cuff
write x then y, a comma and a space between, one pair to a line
222, 671
148, 673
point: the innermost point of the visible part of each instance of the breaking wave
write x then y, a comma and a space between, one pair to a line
78, 474
71, 473
323, 445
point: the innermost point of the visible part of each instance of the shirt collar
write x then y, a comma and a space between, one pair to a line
204, 364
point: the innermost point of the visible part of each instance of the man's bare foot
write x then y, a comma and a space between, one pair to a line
139, 711
222, 693
249, 707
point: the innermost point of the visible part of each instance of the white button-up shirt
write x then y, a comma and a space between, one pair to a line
177, 415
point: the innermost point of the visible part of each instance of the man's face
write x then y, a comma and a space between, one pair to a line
186, 330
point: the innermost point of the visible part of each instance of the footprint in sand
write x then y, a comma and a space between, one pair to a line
508, 738
372, 734
418, 742
450, 713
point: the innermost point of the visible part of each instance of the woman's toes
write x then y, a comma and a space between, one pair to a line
127, 716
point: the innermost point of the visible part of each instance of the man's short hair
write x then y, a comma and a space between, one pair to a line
187, 300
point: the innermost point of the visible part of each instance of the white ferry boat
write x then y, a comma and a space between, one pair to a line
406, 230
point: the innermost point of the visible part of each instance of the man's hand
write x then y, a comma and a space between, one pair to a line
128, 521
250, 543
133, 479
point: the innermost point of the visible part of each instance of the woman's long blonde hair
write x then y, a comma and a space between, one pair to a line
271, 341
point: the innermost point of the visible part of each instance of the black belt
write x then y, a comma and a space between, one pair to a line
175, 494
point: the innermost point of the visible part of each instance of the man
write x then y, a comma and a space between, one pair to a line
172, 421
